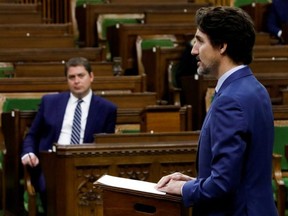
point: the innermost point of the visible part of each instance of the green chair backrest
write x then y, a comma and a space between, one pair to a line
21, 104
239, 3
280, 140
4, 68
106, 20
161, 42
82, 2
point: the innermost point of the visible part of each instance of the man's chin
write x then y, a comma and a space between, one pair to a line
201, 72
77, 94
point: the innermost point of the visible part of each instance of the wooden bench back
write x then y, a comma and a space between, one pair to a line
58, 84
50, 54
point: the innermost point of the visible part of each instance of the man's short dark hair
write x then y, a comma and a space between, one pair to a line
229, 25
78, 61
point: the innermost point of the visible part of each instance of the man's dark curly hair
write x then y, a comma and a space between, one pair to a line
229, 25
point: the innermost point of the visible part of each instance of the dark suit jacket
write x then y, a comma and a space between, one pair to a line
46, 127
235, 152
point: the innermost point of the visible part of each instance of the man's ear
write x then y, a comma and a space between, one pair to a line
91, 75
223, 48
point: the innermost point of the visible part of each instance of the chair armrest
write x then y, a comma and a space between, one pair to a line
27, 181
277, 172
277, 175
32, 206
175, 95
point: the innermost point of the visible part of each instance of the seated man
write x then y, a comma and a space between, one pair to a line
277, 22
55, 121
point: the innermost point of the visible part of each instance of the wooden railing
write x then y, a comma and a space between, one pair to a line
54, 11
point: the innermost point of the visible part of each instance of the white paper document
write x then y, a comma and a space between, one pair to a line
129, 184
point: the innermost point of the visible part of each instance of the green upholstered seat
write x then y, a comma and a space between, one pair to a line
21, 104
240, 3
280, 140
82, 2
128, 128
161, 42
6, 69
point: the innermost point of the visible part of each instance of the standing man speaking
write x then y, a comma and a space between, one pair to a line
234, 160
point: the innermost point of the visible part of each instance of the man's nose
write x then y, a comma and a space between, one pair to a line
194, 51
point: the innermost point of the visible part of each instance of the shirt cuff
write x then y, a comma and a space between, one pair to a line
279, 33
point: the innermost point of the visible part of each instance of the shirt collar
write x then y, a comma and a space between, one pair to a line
226, 75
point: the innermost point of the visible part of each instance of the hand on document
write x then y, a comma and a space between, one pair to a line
173, 183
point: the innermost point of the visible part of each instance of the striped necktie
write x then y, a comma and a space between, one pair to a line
76, 127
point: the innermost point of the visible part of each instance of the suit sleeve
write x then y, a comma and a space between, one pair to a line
31, 141
223, 139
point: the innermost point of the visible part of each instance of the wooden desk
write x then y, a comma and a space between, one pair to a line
118, 201
77, 167
141, 156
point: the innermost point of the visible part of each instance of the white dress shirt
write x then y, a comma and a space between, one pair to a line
66, 130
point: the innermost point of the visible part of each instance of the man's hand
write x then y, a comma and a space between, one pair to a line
30, 159
173, 183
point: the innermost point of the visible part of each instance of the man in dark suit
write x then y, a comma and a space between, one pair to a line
234, 161
277, 20
53, 122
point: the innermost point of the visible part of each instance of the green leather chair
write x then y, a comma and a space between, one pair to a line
280, 169
6, 69
23, 104
145, 42
82, 2
106, 20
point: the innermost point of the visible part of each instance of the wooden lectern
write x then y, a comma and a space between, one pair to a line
122, 201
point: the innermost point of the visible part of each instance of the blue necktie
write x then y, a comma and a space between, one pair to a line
76, 127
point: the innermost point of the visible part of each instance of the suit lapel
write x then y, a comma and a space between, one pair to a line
60, 108
93, 114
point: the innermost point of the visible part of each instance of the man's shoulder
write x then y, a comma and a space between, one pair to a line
55, 95
104, 101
